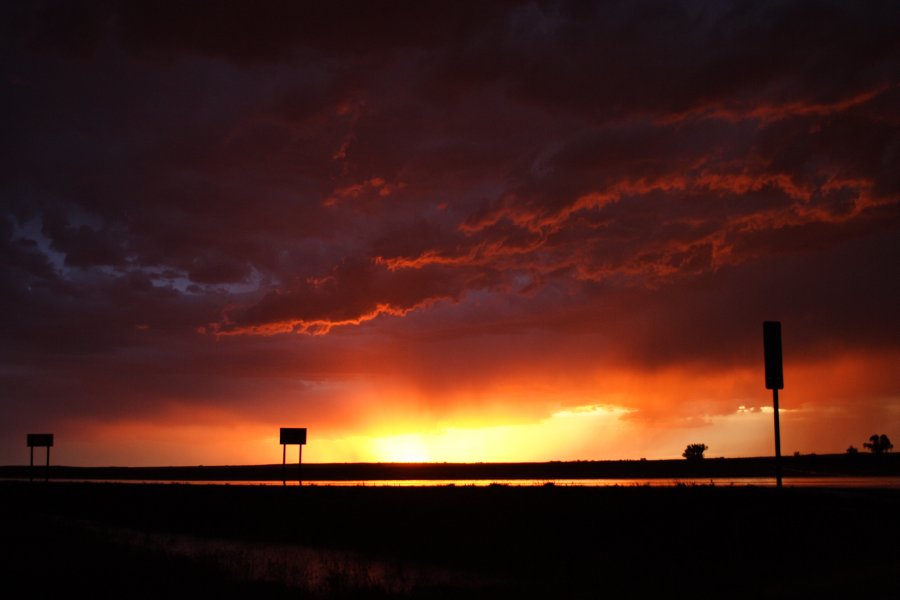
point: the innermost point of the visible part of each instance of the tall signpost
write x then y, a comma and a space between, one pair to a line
774, 381
40, 440
292, 435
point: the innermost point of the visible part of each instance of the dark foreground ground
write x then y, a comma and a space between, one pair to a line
169, 540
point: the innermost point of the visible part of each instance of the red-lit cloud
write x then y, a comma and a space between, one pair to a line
432, 216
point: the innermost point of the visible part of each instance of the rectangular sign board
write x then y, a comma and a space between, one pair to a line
772, 347
40, 440
293, 435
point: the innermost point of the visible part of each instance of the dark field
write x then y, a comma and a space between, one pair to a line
170, 540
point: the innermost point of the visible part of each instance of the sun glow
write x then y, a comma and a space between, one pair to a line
626, 417
566, 434
408, 448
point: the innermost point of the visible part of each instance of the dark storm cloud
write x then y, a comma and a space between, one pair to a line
353, 293
83, 246
642, 171
272, 31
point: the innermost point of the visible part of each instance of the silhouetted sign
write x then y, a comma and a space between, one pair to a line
293, 435
40, 440
772, 346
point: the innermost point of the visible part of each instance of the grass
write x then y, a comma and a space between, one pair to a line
453, 541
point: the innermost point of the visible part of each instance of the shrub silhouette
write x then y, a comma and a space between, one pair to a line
694, 451
879, 444
852, 449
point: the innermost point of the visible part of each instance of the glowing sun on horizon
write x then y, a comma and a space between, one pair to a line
409, 448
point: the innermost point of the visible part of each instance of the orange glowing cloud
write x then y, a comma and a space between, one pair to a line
376, 186
766, 112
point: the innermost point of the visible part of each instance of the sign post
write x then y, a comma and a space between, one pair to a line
44, 440
774, 381
292, 435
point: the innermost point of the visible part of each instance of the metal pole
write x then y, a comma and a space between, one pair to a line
777, 439
283, 461
31, 465
300, 465
47, 466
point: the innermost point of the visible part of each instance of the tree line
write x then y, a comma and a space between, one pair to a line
877, 444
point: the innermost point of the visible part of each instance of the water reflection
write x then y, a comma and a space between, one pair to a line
829, 482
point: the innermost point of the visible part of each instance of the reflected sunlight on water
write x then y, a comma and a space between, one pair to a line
830, 482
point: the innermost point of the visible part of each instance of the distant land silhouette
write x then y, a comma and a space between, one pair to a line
812, 465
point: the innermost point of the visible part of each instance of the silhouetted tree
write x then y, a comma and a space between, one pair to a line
694, 451
852, 449
879, 444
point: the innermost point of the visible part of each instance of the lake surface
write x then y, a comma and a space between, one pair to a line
828, 482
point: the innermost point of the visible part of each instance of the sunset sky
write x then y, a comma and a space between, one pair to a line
446, 231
